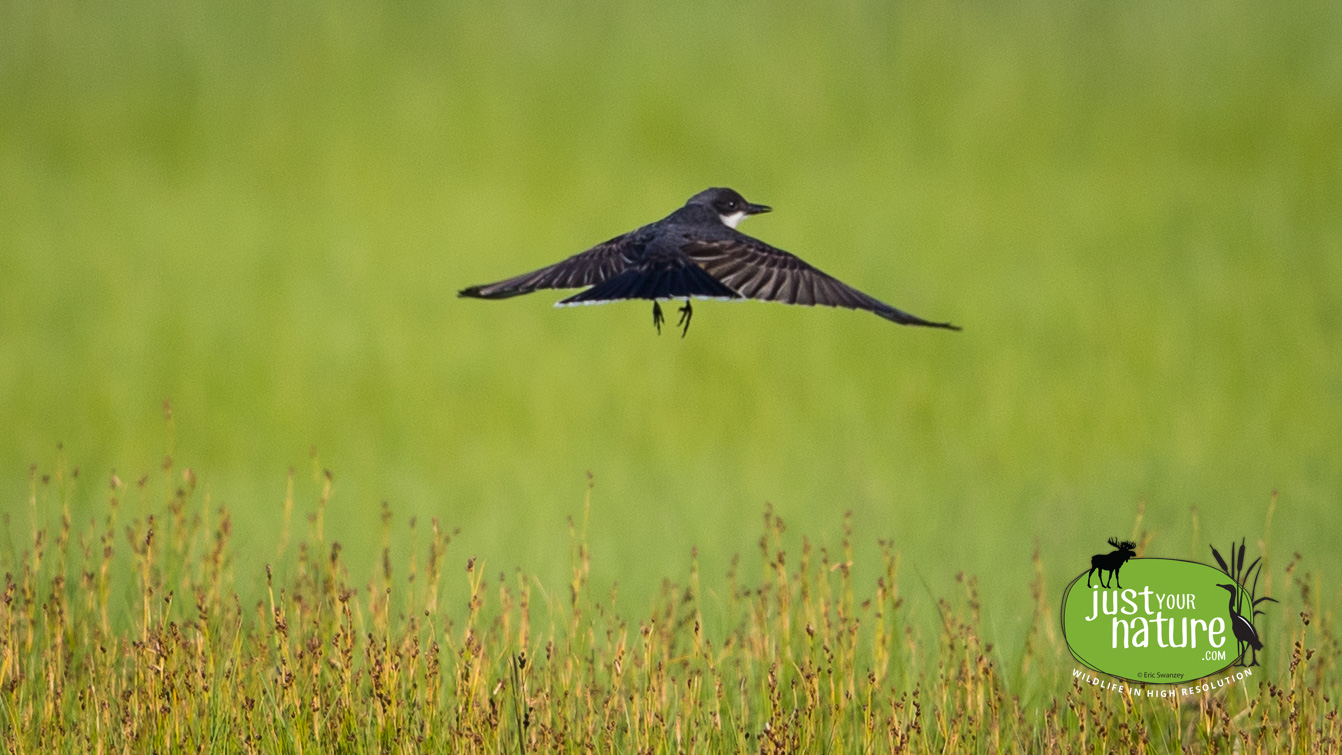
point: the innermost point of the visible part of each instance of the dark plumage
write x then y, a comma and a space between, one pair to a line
695, 252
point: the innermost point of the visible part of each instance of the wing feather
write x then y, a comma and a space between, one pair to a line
596, 265
760, 271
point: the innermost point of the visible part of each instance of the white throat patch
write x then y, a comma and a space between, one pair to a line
731, 220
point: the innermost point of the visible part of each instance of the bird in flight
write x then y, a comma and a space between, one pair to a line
695, 252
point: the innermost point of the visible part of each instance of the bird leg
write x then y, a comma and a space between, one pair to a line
686, 312
657, 318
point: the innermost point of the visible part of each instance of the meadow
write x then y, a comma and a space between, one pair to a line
260, 215
138, 641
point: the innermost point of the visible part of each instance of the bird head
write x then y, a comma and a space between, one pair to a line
730, 206
1232, 588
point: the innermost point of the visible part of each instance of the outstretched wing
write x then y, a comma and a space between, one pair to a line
759, 271
588, 268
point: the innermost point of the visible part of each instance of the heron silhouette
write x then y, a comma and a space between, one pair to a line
1245, 634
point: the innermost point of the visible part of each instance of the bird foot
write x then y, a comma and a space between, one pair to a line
657, 318
686, 312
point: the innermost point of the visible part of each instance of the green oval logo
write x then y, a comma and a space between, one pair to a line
1155, 620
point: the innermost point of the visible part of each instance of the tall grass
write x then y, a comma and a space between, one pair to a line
132, 635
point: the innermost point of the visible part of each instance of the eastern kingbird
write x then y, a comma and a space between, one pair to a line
695, 252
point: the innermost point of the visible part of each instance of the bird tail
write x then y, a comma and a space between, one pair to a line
690, 280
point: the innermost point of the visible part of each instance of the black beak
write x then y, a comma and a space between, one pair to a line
755, 209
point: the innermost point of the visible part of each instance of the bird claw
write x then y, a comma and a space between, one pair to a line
686, 312
657, 318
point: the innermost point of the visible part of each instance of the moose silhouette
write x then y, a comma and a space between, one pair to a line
1111, 562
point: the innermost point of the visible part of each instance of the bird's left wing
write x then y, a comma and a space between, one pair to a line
587, 268
757, 270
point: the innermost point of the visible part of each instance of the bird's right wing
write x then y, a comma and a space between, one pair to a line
588, 268
759, 271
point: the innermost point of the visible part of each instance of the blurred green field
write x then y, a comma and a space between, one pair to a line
263, 212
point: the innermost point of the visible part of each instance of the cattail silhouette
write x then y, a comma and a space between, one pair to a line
1111, 562
1243, 628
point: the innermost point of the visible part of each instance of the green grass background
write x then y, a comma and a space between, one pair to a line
263, 212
